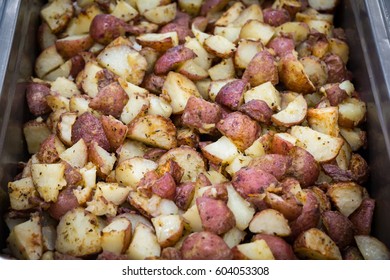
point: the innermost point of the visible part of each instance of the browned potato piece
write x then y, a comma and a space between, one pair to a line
240, 128
57, 14
165, 186
212, 6
187, 137
72, 45
171, 253
359, 168
337, 174
159, 42
362, 217
153, 83
335, 94
201, 115
172, 58
205, 246
274, 164
66, 201
184, 195
154, 130
251, 181
315, 244
288, 205
110, 100
281, 45
105, 28
262, 68
103, 160
282, 143
279, 247
352, 253
215, 215
36, 98
89, 128
303, 167
180, 25
293, 76
338, 227
275, 17
171, 167
337, 72
309, 217
231, 95
50, 149
72, 175
115, 131
346, 197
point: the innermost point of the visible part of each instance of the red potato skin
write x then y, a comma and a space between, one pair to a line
257, 110
36, 99
105, 28
181, 24
72, 175
337, 72
335, 94
89, 128
280, 146
303, 167
47, 152
338, 227
286, 204
231, 94
352, 253
154, 154
115, 131
276, 17
184, 195
279, 247
281, 45
199, 113
212, 6
221, 192
172, 58
68, 49
215, 215
240, 128
105, 78
78, 64
359, 169
262, 68
153, 83
66, 201
110, 100
171, 253
173, 168
165, 187
251, 181
107, 255
205, 246
309, 217
146, 184
362, 217
274, 164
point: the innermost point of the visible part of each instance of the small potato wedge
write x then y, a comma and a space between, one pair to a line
270, 221
116, 236
371, 248
153, 130
293, 114
159, 41
261, 69
169, 229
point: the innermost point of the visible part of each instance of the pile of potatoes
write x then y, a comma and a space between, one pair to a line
192, 129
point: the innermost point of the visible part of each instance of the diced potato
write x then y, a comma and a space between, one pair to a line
347, 197
21, 192
124, 11
169, 229
192, 218
371, 248
76, 155
246, 50
219, 46
144, 244
266, 92
57, 14
242, 209
78, 233
257, 31
161, 14
324, 120
129, 172
256, 250
35, 132
223, 70
25, 240
270, 221
223, 150
116, 236
234, 237
293, 114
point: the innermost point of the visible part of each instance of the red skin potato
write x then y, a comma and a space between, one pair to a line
274, 164
362, 217
110, 100
262, 68
257, 110
205, 246
172, 58
337, 72
338, 227
335, 94
231, 94
215, 215
105, 28
165, 187
89, 128
184, 195
66, 201
279, 247
281, 45
276, 17
115, 131
303, 167
240, 128
36, 99
251, 181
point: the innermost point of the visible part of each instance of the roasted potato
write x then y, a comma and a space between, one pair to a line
261, 69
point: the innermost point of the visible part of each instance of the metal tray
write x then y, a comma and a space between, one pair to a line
367, 28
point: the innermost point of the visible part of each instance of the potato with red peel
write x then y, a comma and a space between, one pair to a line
240, 128
250, 181
337, 72
276, 17
160, 42
293, 114
103, 160
231, 95
281, 45
338, 227
110, 100
50, 149
274, 164
205, 246
282, 143
184, 195
262, 68
346, 197
89, 128
215, 215
362, 217
201, 115
172, 58
36, 98
304, 167
211, 6
287, 205
279, 247
257, 110
115, 131
105, 28
165, 187
270, 221
72, 45
66, 201
309, 217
